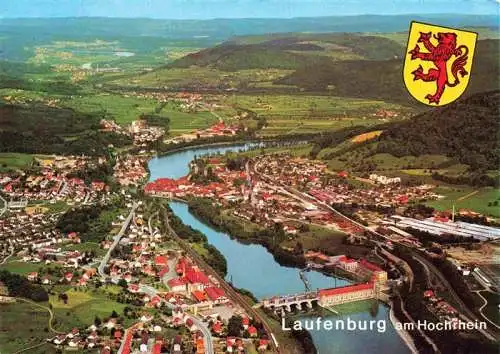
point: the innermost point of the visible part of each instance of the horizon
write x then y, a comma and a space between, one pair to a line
240, 9
249, 18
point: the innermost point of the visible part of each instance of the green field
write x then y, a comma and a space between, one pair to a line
14, 161
477, 202
82, 307
21, 267
123, 109
22, 326
86, 247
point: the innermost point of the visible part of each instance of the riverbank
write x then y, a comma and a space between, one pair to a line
251, 266
270, 239
405, 336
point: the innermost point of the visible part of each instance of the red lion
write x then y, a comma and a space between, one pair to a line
440, 54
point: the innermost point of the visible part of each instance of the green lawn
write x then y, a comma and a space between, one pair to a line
477, 202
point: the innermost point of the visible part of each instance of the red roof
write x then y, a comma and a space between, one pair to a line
214, 293
194, 276
217, 327
157, 348
199, 295
176, 282
252, 330
428, 293
161, 260
370, 266
345, 289
163, 271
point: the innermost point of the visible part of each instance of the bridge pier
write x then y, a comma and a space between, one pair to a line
288, 308
299, 306
309, 304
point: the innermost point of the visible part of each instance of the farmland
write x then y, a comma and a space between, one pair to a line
293, 114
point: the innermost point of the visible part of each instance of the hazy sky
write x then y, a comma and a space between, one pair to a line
206, 9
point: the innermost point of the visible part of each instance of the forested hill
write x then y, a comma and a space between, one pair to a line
467, 130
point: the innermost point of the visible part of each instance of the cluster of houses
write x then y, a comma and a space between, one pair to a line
290, 171
130, 170
142, 134
385, 196
138, 130
381, 179
19, 99
441, 309
110, 335
79, 277
50, 185
23, 231
218, 129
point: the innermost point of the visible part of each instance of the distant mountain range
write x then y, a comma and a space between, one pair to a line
141, 34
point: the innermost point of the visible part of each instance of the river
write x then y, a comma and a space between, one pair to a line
252, 267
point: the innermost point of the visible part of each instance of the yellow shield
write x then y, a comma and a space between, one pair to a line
438, 63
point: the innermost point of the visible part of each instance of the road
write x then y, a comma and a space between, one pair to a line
6, 258
485, 302
4, 206
230, 292
117, 239
429, 267
51, 318
467, 314
207, 335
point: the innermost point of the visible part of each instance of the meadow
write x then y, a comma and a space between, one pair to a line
122, 109
15, 335
464, 198
82, 307
14, 161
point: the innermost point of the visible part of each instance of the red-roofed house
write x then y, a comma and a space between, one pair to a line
252, 331
197, 280
157, 348
217, 327
199, 295
216, 295
161, 260
177, 285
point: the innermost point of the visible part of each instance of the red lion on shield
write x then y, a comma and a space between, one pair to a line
440, 54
